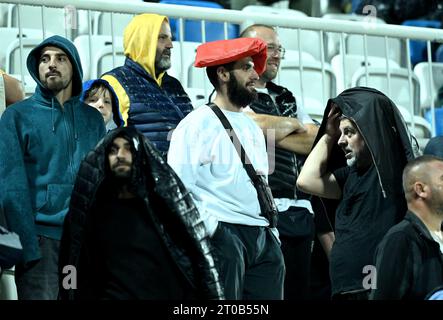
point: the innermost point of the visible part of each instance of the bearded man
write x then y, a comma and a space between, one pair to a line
361, 149
44, 139
149, 98
132, 231
246, 243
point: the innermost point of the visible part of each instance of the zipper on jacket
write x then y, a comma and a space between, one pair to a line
69, 143
297, 172
174, 104
373, 159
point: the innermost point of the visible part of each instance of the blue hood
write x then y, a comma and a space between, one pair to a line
116, 115
70, 50
435, 147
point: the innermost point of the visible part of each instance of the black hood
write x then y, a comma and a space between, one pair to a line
383, 129
140, 166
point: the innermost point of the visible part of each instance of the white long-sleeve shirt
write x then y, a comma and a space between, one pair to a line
204, 157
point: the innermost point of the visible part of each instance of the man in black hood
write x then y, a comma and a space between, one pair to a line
132, 231
363, 129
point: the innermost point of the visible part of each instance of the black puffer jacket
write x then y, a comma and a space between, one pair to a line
179, 223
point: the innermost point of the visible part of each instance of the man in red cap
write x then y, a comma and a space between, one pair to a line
201, 152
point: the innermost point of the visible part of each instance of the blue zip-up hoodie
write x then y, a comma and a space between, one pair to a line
43, 145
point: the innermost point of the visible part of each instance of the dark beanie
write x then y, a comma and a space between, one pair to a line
435, 147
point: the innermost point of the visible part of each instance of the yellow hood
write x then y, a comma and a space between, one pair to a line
140, 41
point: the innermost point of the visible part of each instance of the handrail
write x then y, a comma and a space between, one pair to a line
238, 17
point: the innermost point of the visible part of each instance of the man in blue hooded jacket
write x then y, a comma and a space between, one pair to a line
45, 138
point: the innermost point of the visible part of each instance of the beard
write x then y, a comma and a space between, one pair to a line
238, 95
122, 175
56, 86
119, 174
120, 180
361, 160
164, 62
351, 162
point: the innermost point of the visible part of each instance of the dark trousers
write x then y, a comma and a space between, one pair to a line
297, 255
296, 227
320, 282
40, 281
250, 262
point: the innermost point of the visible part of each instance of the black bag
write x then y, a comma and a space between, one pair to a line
266, 200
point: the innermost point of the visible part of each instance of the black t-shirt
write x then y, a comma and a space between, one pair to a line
362, 219
131, 259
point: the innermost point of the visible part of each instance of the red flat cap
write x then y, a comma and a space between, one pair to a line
220, 52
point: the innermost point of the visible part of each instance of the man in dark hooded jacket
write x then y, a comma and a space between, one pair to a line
45, 138
132, 230
363, 128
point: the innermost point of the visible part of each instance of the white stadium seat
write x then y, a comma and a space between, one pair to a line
421, 70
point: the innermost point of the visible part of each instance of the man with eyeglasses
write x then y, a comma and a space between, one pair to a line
275, 110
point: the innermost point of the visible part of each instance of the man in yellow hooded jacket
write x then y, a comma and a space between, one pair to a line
149, 99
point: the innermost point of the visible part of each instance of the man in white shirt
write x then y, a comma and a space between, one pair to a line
201, 152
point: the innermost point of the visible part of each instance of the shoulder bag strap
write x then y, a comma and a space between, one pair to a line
236, 142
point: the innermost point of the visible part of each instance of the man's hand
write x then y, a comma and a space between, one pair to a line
333, 123
315, 178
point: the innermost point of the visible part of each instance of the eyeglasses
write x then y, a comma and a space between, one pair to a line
272, 50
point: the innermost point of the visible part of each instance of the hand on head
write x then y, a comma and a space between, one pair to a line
333, 122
